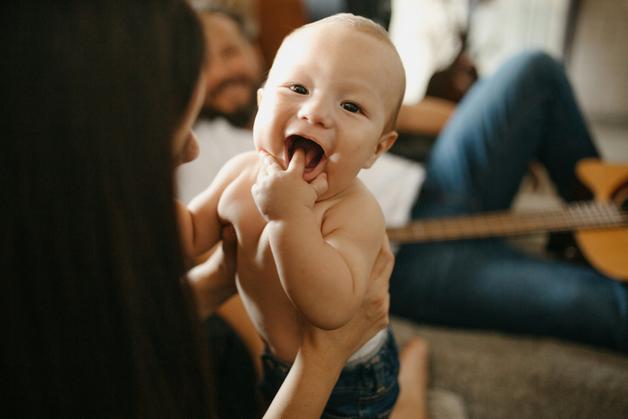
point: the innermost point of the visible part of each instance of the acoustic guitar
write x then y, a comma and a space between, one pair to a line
601, 225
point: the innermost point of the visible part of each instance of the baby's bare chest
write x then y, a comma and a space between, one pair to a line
258, 281
237, 207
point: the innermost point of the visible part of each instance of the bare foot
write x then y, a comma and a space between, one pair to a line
412, 401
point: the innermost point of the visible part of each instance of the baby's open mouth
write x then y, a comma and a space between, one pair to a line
314, 155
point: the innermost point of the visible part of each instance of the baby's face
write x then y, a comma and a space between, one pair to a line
331, 92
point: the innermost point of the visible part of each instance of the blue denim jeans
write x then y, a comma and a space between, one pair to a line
526, 111
367, 389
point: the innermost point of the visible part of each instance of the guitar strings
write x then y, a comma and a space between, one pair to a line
579, 215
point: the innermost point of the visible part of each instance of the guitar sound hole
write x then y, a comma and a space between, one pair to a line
562, 245
620, 196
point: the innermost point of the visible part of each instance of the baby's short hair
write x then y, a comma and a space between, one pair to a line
360, 23
368, 27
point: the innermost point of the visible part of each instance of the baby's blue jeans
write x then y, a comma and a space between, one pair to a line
367, 389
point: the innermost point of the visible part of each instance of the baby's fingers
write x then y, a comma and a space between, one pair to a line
320, 185
270, 164
297, 163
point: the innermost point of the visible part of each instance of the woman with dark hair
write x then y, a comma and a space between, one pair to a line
99, 317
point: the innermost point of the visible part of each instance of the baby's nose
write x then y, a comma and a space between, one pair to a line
316, 111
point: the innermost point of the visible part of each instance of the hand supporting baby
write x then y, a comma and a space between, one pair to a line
282, 193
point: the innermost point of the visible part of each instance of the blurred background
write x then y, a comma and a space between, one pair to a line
589, 36
472, 38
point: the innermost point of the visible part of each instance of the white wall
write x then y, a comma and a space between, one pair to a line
599, 61
500, 28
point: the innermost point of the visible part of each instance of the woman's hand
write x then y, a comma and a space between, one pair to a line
337, 345
213, 281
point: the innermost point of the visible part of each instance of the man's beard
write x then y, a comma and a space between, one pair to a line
241, 117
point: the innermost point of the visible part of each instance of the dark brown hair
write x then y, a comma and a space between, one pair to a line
98, 317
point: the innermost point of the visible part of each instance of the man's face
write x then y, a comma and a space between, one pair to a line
329, 93
234, 70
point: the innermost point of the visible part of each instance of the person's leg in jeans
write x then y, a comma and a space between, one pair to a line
526, 111
487, 284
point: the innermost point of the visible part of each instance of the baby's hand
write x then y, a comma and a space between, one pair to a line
280, 193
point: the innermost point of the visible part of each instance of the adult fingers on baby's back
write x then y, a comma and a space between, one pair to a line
377, 295
384, 263
376, 305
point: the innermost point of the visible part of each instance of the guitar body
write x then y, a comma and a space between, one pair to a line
606, 249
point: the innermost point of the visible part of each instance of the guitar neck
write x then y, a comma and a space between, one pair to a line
584, 215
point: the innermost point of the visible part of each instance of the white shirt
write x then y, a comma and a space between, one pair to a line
426, 35
393, 180
218, 142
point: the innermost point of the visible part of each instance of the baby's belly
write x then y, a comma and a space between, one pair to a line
268, 306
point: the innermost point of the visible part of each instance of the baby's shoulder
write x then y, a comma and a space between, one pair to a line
358, 196
242, 161
356, 208
240, 164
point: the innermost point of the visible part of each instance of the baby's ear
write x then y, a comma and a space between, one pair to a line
383, 145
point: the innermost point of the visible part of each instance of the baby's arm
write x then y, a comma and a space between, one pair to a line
324, 276
198, 236
199, 223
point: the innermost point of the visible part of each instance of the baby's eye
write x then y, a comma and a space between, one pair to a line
351, 107
298, 88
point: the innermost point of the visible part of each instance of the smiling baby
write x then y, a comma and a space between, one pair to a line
308, 230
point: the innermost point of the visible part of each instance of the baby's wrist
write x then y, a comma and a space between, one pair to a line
295, 213
281, 225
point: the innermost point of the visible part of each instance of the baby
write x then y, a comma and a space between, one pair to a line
308, 230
